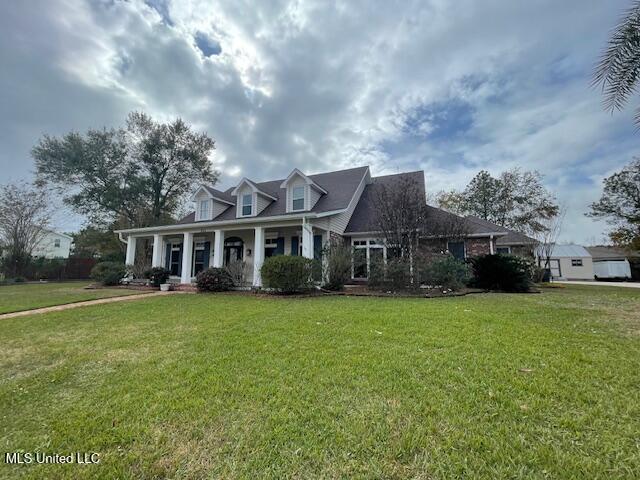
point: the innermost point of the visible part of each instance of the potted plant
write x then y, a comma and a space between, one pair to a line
158, 277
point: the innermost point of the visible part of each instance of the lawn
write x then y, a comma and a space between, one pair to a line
230, 386
25, 296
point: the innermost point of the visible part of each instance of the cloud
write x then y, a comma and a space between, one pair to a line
449, 87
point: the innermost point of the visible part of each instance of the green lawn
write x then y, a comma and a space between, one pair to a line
229, 386
25, 296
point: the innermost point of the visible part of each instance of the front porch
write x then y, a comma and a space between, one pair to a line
240, 249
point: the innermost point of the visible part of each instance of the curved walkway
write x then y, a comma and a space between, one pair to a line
100, 301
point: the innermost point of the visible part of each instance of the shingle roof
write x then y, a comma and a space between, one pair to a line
340, 186
364, 216
603, 252
515, 238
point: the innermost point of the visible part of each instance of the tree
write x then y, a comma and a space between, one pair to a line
516, 199
400, 214
618, 70
138, 175
25, 215
619, 205
96, 242
546, 241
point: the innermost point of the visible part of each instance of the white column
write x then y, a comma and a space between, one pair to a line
258, 256
187, 253
307, 239
156, 258
131, 251
218, 248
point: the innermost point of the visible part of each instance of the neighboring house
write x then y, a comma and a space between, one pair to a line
292, 216
612, 262
53, 245
570, 262
516, 243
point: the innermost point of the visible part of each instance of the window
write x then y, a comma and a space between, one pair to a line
56, 243
247, 201
457, 250
503, 250
576, 262
204, 209
298, 198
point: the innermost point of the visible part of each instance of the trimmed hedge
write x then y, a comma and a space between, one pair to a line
287, 274
214, 280
507, 273
108, 273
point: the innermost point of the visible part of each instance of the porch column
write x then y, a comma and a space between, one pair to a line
307, 239
131, 250
258, 255
156, 258
187, 253
218, 248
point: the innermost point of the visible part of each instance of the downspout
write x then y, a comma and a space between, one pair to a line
122, 239
491, 244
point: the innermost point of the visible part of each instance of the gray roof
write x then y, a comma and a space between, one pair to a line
364, 217
340, 186
603, 253
515, 238
571, 250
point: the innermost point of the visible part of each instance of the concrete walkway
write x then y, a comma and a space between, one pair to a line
86, 303
600, 284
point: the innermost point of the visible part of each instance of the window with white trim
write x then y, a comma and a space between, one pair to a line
204, 209
297, 196
576, 262
56, 243
247, 204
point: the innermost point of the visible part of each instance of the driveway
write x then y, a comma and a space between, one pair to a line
604, 284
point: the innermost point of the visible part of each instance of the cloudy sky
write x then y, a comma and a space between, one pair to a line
446, 87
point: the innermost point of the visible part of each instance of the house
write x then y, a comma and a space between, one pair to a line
569, 262
53, 245
296, 215
612, 262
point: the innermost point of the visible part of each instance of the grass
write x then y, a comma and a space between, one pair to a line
229, 386
26, 296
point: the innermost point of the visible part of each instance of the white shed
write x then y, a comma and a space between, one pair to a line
610, 262
571, 262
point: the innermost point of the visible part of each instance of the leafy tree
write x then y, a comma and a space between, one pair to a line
618, 70
138, 175
98, 242
619, 205
25, 215
516, 199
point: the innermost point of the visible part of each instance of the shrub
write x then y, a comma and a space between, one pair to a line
157, 275
337, 267
394, 275
108, 273
446, 272
287, 274
214, 280
502, 272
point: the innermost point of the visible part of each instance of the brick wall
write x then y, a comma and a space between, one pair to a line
477, 246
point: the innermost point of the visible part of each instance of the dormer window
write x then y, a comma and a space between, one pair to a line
247, 204
204, 209
298, 198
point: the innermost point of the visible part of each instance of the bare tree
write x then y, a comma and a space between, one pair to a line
25, 216
546, 240
400, 213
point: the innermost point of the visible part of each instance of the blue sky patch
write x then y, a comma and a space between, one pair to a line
206, 45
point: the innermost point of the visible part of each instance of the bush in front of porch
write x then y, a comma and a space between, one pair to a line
287, 274
214, 280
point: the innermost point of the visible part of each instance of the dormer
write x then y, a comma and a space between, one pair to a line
301, 191
208, 204
250, 200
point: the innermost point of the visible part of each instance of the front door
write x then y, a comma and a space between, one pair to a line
233, 250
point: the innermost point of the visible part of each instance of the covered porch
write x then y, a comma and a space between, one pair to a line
242, 249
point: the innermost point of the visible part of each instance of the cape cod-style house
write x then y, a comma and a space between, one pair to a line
296, 215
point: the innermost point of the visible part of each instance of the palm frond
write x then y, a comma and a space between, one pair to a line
618, 70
